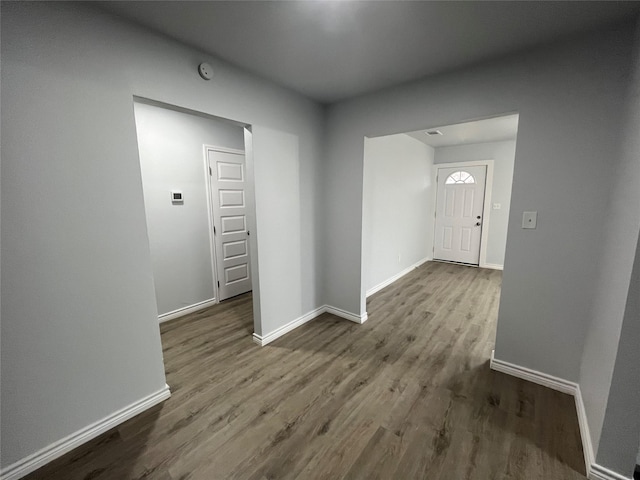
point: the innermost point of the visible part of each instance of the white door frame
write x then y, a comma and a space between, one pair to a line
207, 180
486, 209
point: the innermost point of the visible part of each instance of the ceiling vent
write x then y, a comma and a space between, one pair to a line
431, 133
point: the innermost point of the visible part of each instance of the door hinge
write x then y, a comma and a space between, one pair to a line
214, 229
210, 172
218, 283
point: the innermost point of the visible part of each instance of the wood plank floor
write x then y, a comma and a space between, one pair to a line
407, 395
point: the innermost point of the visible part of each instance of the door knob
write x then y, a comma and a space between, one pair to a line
477, 224
478, 217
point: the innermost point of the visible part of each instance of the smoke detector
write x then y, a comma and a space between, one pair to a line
206, 71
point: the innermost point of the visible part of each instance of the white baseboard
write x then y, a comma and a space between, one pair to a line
585, 435
352, 317
493, 266
600, 473
397, 276
534, 376
165, 317
594, 471
263, 340
68, 443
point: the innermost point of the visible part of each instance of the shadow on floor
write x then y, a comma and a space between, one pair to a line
111, 455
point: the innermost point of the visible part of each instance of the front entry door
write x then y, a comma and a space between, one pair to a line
229, 207
459, 207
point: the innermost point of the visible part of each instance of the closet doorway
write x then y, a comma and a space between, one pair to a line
198, 203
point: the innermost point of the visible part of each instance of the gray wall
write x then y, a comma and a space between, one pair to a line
503, 154
289, 250
172, 158
397, 206
80, 336
610, 373
618, 444
563, 94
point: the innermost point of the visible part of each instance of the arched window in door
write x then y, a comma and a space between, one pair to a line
460, 177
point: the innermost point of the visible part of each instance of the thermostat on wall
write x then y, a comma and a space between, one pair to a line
176, 196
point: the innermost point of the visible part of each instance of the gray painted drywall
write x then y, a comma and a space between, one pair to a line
503, 155
563, 93
172, 158
618, 444
397, 206
615, 316
80, 337
279, 172
621, 232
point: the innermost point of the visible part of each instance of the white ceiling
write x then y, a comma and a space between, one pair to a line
331, 50
478, 131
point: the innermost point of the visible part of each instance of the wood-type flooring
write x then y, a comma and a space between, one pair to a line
407, 395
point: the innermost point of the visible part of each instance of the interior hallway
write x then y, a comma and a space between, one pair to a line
407, 395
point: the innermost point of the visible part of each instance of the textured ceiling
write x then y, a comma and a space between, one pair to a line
331, 50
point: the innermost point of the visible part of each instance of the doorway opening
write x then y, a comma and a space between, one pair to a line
199, 204
437, 194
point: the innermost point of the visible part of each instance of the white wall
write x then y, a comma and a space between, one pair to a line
80, 336
172, 158
563, 94
503, 155
397, 206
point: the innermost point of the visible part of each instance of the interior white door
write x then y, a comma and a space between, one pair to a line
459, 207
229, 206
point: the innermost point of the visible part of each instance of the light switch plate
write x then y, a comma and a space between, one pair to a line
529, 219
